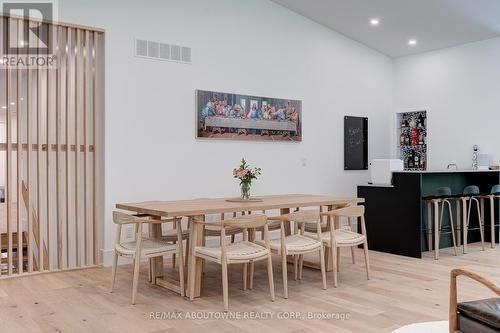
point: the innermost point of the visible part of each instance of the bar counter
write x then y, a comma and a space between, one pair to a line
397, 215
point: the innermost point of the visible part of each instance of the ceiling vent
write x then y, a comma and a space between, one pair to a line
161, 51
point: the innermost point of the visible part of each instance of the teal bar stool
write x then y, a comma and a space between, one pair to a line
441, 199
470, 196
494, 194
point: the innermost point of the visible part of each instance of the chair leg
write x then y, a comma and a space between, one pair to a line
113, 270
352, 254
334, 252
270, 275
481, 225
245, 275
301, 265
295, 266
466, 217
232, 238
181, 269
338, 259
186, 255
367, 259
452, 227
322, 263
492, 221
285, 275
174, 257
224, 286
436, 230
429, 226
191, 276
137, 261
252, 269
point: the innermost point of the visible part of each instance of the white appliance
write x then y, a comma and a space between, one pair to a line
381, 170
483, 162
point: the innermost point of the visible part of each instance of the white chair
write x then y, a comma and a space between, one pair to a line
298, 244
142, 247
344, 237
241, 252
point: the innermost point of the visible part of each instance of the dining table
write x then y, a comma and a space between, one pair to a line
201, 207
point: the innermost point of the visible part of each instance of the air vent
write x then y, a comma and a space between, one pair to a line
162, 51
175, 52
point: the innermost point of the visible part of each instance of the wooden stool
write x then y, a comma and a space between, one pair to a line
495, 193
470, 196
440, 199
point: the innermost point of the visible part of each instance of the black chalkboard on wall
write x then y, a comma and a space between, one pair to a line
355, 143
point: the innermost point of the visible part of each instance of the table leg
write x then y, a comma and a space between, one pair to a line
195, 239
156, 263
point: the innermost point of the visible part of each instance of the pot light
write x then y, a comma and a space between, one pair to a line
412, 42
375, 22
12, 103
4, 107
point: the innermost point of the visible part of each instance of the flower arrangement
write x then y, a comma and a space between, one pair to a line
246, 175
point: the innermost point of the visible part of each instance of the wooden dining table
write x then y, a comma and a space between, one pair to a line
199, 208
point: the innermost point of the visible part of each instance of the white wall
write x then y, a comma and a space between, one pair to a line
460, 88
250, 47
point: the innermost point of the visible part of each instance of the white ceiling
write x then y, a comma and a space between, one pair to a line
435, 24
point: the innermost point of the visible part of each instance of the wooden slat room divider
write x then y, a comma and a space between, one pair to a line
50, 151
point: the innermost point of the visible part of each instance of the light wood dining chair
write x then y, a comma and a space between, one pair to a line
240, 252
143, 247
345, 237
298, 244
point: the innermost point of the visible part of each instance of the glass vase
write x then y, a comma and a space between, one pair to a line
245, 191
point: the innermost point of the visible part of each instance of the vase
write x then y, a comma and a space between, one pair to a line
245, 191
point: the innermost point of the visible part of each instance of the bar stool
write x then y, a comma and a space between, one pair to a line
440, 199
470, 195
495, 193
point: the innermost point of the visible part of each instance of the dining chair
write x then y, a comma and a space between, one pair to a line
144, 247
345, 237
240, 252
171, 235
298, 244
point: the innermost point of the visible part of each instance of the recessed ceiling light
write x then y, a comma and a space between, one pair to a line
412, 42
12, 103
375, 22
4, 107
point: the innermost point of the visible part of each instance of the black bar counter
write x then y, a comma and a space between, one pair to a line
396, 215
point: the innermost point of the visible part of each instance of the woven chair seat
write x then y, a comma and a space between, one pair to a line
294, 244
271, 225
343, 237
311, 227
149, 246
242, 250
211, 231
171, 235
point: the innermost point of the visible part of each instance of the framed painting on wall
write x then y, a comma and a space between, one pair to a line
243, 117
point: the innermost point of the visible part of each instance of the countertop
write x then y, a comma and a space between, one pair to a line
447, 171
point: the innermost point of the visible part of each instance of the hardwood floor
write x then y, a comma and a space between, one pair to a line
402, 291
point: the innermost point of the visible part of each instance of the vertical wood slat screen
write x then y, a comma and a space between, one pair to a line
49, 145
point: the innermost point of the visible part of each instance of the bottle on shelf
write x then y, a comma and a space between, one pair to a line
402, 139
411, 161
421, 121
417, 161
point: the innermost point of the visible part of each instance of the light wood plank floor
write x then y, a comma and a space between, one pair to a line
402, 291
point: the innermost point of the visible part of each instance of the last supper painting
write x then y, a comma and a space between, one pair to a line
245, 117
